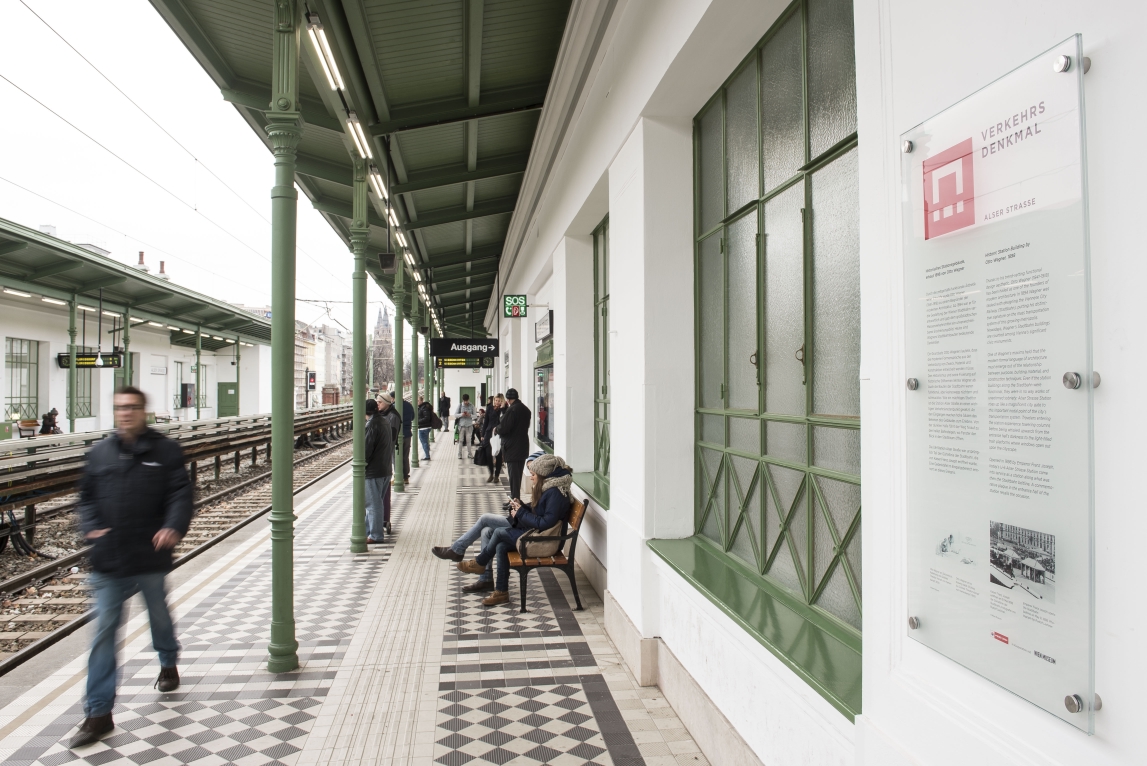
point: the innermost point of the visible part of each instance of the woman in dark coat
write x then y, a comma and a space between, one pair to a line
490, 427
549, 506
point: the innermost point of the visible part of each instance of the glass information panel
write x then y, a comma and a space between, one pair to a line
998, 368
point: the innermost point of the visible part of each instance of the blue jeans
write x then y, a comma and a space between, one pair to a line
377, 506
485, 527
424, 437
111, 592
501, 543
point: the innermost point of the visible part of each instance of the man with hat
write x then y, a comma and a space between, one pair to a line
379, 438
515, 432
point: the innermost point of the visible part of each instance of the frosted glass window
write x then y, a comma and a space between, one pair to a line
778, 313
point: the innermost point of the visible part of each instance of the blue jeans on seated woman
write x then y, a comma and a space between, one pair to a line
501, 543
483, 528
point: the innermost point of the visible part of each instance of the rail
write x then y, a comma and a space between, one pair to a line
45, 467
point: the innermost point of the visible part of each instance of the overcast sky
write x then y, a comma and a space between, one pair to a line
213, 240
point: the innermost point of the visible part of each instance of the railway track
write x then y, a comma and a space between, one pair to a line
45, 604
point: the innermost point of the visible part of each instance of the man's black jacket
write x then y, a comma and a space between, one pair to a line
134, 491
515, 432
379, 442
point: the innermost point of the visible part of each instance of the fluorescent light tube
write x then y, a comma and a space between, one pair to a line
189, 332
228, 340
355, 127
85, 308
155, 324
172, 328
10, 291
329, 56
110, 314
54, 301
216, 337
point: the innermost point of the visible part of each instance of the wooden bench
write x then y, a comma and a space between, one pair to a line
28, 428
560, 561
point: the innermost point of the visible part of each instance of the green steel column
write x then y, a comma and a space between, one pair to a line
284, 129
359, 235
127, 371
198, 369
399, 312
430, 380
414, 319
72, 365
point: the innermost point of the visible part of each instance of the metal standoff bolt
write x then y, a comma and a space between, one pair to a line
1062, 64
907, 147
913, 384
913, 623
1095, 380
1073, 703
1072, 380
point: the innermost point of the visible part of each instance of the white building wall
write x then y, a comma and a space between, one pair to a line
150, 348
920, 707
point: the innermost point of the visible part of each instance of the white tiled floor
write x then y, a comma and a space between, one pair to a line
399, 666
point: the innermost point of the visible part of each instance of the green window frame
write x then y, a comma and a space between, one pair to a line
22, 370
777, 343
601, 405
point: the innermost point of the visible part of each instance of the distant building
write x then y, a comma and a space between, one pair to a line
382, 352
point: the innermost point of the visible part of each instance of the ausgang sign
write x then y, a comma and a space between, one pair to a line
456, 348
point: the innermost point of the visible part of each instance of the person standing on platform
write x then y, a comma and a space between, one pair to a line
390, 415
515, 432
444, 411
465, 423
379, 438
135, 507
407, 423
489, 429
425, 423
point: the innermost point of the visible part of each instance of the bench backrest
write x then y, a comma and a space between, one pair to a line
577, 511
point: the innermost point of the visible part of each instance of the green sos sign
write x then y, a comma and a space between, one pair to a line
513, 306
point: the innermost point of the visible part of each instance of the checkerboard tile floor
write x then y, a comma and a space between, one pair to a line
544, 687
229, 709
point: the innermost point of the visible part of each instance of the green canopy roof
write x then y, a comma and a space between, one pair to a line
449, 94
42, 266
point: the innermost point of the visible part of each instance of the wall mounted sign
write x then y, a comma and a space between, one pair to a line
87, 360
475, 362
158, 370
514, 306
544, 327
999, 378
458, 347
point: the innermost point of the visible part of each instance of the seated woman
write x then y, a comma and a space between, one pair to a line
549, 506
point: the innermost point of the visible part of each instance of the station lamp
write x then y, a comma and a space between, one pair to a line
17, 293
54, 302
354, 126
326, 55
376, 183
156, 324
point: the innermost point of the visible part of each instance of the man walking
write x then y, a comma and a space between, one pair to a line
135, 507
379, 438
515, 432
444, 411
465, 423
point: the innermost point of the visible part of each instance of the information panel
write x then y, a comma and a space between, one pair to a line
998, 368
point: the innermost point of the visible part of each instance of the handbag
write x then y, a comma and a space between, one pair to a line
480, 456
540, 544
435, 421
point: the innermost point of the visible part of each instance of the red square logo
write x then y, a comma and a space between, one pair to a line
949, 191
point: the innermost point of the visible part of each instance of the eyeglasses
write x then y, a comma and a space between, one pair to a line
127, 407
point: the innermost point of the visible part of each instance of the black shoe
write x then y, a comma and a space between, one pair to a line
168, 680
388, 528
91, 730
446, 553
478, 587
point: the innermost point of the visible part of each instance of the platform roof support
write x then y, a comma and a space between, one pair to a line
285, 129
359, 237
415, 318
399, 312
72, 365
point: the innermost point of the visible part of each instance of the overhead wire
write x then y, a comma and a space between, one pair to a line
168, 133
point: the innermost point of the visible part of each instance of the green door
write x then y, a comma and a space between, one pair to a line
228, 399
465, 390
